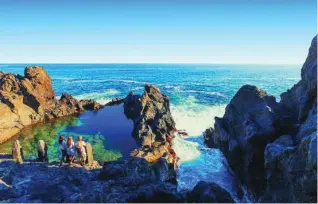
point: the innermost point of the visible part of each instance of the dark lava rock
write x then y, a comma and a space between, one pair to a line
286, 170
39, 182
151, 115
139, 169
205, 192
153, 124
244, 131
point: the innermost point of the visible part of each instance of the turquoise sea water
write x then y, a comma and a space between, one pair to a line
198, 93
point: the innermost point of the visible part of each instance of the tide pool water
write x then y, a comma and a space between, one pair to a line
198, 93
108, 130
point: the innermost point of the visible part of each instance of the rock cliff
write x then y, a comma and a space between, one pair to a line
272, 146
29, 99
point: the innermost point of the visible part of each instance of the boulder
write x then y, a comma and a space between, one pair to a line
138, 169
205, 192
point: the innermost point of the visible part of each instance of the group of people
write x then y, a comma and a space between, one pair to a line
69, 148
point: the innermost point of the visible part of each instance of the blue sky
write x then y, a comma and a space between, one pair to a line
175, 31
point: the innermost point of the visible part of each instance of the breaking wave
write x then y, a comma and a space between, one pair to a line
194, 117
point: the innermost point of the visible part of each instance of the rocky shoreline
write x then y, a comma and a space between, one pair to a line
270, 146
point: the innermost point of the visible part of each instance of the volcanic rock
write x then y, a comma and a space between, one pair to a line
153, 124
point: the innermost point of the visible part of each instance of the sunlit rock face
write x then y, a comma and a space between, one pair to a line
272, 146
28, 99
154, 126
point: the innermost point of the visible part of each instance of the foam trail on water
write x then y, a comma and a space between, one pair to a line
100, 97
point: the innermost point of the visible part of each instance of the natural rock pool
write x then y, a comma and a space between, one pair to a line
108, 130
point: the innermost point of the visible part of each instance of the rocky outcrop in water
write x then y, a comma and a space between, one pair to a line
154, 126
272, 146
29, 99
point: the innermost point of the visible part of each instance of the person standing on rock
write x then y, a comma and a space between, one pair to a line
81, 150
70, 150
62, 144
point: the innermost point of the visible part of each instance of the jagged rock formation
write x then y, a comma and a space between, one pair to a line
154, 126
31, 99
243, 132
272, 146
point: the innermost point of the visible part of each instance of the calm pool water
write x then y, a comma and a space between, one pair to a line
108, 130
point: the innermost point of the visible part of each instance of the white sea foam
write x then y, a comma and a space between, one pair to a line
63, 78
176, 88
101, 97
186, 150
132, 81
137, 88
103, 101
212, 93
90, 81
194, 117
196, 162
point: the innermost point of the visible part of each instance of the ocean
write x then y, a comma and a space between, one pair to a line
198, 93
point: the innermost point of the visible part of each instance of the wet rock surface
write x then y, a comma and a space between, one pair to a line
272, 146
29, 99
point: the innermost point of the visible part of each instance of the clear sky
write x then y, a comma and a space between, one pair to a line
156, 31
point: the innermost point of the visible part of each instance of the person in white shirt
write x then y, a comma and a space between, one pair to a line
70, 150
62, 145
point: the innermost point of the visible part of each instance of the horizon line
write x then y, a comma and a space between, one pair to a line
202, 63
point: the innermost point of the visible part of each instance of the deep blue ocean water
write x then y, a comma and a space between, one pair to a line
198, 93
